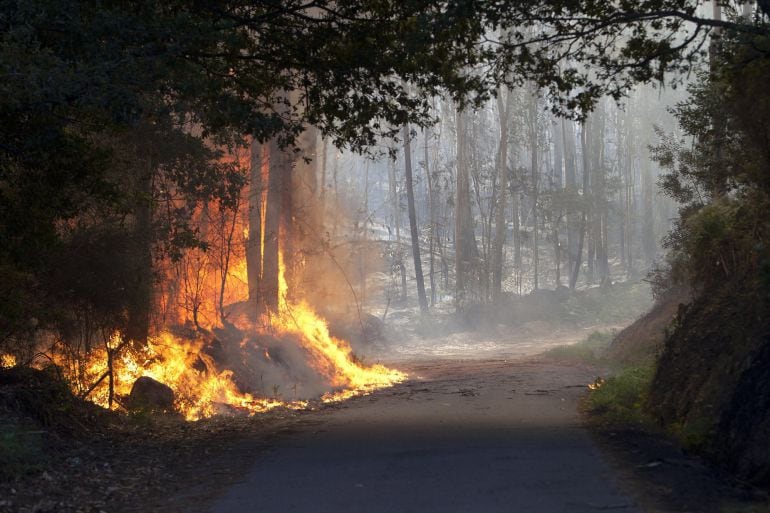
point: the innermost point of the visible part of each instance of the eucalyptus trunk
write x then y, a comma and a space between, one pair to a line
421, 298
503, 108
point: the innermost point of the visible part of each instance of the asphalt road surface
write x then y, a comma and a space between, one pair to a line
470, 436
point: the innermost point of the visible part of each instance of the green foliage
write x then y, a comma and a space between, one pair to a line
718, 172
621, 399
719, 240
694, 434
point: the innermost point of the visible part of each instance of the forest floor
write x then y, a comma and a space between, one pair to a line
499, 432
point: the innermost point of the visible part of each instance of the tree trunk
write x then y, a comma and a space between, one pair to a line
364, 241
593, 216
630, 207
466, 250
599, 195
570, 185
584, 216
648, 227
433, 229
396, 208
535, 188
335, 187
138, 325
257, 176
226, 252
516, 211
322, 188
413, 221
558, 183
272, 235
503, 109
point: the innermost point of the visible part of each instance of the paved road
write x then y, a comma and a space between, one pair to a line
459, 437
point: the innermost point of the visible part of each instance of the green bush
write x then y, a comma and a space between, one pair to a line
621, 398
695, 434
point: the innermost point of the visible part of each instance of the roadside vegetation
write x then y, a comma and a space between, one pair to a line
697, 366
618, 397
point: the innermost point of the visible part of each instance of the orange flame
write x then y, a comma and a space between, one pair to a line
333, 358
201, 390
7, 361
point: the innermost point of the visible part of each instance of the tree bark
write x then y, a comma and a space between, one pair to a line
433, 229
503, 108
535, 188
465, 240
138, 325
272, 235
558, 183
421, 298
258, 172
570, 185
584, 215
648, 227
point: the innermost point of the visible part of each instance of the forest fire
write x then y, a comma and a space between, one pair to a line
230, 336
202, 384
200, 390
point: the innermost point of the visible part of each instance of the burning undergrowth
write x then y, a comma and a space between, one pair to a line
289, 363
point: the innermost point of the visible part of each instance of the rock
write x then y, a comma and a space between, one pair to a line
148, 394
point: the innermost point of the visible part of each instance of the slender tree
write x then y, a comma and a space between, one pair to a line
466, 250
504, 107
415, 234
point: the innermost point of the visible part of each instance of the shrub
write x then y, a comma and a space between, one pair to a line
621, 398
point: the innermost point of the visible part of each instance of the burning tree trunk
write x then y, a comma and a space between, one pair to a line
283, 187
268, 298
257, 175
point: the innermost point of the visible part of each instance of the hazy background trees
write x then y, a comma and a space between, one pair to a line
135, 139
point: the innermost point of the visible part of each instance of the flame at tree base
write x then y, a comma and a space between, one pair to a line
204, 386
